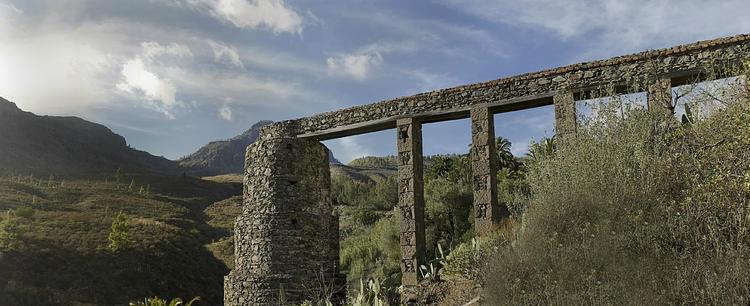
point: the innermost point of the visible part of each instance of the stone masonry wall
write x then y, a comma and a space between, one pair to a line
284, 237
637, 68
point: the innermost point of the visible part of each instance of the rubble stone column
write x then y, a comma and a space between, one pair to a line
487, 212
283, 236
565, 114
660, 96
410, 202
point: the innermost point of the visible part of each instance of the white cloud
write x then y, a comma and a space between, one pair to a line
613, 25
431, 81
349, 148
56, 71
159, 92
251, 14
429, 35
140, 80
153, 50
224, 53
7, 7
225, 112
357, 65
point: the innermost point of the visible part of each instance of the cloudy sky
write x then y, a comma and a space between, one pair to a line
171, 75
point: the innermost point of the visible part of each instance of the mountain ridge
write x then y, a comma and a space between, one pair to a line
227, 156
67, 144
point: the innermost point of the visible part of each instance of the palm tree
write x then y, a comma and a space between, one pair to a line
505, 158
543, 149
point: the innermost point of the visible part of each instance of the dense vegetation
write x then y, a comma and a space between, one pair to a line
637, 210
370, 226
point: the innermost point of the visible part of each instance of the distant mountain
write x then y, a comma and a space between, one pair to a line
226, 156
67, 145
223, 156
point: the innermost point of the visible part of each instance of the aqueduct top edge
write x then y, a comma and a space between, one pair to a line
526, 90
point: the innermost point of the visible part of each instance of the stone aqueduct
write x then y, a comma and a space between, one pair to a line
286, 240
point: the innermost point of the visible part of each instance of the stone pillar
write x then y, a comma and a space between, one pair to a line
484, 167
410, 202
282, 238
660, 96
565, 114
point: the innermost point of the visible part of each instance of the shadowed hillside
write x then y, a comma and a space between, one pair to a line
49, 144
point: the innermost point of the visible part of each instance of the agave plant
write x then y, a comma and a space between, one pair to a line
368, 296
689, 117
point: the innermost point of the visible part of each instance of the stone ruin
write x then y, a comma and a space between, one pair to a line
287, 238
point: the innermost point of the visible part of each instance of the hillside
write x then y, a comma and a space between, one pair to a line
52, 145
223, 156
54, 242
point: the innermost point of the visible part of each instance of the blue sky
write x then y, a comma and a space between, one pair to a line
171, 75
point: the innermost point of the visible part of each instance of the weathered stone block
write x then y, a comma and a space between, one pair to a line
565, 114
660, 96
411, 198
484, 167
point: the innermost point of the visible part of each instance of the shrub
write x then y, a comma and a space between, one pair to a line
119, 235
373, 252
9, 232
24, 212
467, 259
155, 301
637, 210
448, 218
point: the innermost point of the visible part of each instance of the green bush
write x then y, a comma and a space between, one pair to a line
373, 252
119, 235
24, 212
466, 260
637, 210
448, 209
9, 232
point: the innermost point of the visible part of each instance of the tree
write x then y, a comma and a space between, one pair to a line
118, 174
456, 169
9, 232
542, 149
119, 235
505, 158
51, 180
